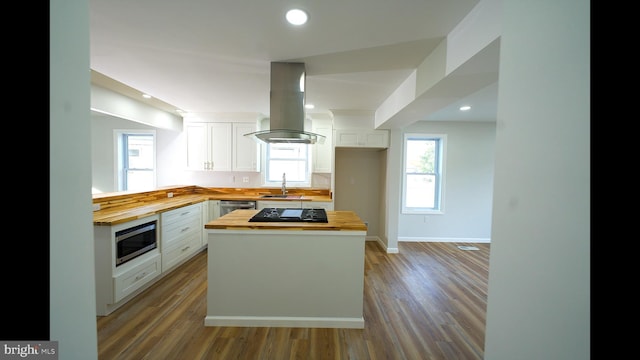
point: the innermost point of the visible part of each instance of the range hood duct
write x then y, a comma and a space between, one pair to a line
286, 122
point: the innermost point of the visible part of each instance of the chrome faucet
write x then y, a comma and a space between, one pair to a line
284, 183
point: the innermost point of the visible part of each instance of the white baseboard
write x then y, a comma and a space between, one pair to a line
439, 239
382, 245
395, 250
285, 321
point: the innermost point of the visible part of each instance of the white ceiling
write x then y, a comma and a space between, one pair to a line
214, 56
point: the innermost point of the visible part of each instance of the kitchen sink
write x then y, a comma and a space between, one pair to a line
280, 196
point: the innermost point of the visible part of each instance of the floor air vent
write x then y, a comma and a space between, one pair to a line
464, 247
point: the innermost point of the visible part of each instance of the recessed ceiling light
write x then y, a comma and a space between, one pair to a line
296, 16
146, 96
309, 106
465, 108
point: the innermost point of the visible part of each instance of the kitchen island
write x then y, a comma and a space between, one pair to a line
285, 274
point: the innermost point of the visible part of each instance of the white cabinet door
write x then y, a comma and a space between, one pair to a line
197, 146
208, 146
245, 150
322, 153
362, 138
214, 210
219, 146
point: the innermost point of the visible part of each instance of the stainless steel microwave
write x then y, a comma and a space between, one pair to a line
135, 241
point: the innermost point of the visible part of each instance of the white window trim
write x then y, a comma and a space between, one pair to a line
442, 163
266, 183
117, 135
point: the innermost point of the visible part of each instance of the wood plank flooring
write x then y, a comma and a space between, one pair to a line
426, 302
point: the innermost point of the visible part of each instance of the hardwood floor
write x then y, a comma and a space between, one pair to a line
426, 302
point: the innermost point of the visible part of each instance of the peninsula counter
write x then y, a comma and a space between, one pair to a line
279, 274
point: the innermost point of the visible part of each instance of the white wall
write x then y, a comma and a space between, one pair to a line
71, 292
111, 103
468, 187
170, 152
539, 281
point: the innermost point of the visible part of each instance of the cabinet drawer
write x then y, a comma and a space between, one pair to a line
181, 250
131, 280
179, 230
173, 216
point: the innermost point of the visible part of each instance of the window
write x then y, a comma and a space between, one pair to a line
423, 173
288, 158
135, 160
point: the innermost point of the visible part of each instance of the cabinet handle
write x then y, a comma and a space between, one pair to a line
186, 248
141, 276
185, 229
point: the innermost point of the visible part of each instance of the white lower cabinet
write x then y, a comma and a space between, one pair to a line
279, 204
132, 279
214, 210
327, 205
210, 211
180, 234
175, 254
116, 284
180, 237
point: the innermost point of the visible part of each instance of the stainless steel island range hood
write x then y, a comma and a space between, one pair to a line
286, 122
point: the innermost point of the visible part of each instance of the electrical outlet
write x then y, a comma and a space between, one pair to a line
425, 218
245, 179
170, 194
96, 207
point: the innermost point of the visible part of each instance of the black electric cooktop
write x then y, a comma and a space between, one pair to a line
290, 215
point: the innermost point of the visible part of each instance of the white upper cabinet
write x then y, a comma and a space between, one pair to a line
245, 150
322, 153
221, 146
208, 146
362, 138
197, 157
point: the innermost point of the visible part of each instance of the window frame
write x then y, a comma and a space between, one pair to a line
290, 183
120, 159
440, 161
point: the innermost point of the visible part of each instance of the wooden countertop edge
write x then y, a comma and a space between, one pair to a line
283, 227
139, 212
342, 220
128, 213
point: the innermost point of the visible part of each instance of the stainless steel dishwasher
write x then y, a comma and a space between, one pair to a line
227, 206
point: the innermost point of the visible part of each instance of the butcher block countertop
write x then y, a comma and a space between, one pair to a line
239, 220
125, 213
121, 207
